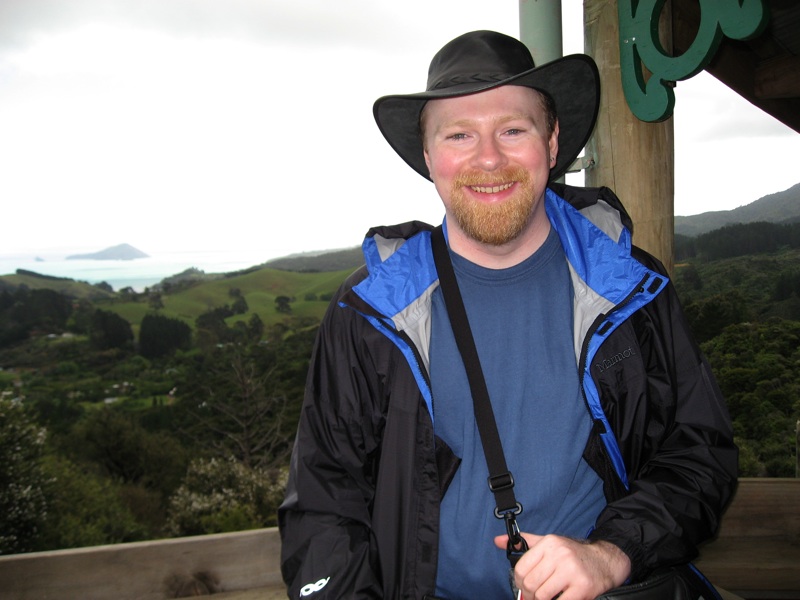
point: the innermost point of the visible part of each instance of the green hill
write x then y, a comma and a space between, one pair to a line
62, 285
781, 207
309, 294
332, 260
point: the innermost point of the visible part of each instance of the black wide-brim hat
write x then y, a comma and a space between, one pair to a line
483, 60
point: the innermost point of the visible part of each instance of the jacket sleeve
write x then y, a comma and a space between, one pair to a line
324, 521
681, 459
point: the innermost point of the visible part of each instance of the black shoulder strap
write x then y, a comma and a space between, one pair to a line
501, 481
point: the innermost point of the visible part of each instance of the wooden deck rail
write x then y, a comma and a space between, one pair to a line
757, 556
757, 552
152, 570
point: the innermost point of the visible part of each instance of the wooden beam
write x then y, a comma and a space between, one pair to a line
735, 66
633, 158
778, 78
746, 67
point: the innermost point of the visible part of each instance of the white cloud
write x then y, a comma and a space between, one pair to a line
210, 124
727, 152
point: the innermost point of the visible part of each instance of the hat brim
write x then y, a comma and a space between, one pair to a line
572, 81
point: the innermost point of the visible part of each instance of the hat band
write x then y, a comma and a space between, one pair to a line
476, 78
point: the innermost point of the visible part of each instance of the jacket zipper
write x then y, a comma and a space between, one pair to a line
600, 322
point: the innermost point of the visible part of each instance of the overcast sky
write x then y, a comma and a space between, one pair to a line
210, 125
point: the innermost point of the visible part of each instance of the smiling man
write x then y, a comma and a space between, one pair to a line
617, 471
489, 156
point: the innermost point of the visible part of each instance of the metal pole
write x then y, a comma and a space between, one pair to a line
540, 29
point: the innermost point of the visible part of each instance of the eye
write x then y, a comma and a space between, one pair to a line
457, 136
514, 131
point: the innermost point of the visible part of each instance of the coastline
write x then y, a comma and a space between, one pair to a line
138, 273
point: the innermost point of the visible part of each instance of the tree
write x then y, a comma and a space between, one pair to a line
27, 310
23, 504
85, 510
155, 301
236, 408
212, 328
755, 364
239, 306
127, 452
108, 330
255, 327
709, 317
283, 304
160, 336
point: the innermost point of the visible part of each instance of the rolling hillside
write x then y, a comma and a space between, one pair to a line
309, 292
310, 278
775, 208
62, 285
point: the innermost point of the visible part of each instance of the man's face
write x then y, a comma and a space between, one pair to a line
489, 155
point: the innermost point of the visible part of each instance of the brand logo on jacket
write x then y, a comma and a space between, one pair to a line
313, 588
607, 363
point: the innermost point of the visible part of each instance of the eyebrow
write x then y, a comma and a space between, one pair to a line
498, 121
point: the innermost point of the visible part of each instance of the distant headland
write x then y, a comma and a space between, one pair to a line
121, 252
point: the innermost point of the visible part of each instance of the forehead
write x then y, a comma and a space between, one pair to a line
502, 102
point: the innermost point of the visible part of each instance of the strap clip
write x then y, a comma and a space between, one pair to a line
517, 546
502, 482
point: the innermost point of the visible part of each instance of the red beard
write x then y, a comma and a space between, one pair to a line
495, 223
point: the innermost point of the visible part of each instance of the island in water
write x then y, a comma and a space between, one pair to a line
120, 252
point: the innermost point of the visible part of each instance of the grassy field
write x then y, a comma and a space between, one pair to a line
68, 287
259, 288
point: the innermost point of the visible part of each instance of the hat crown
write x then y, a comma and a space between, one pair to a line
478, 56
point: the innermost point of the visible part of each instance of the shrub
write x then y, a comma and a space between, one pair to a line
223, 495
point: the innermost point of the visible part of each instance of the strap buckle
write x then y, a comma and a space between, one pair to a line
501, 482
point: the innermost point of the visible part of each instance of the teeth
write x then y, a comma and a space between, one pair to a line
491, 190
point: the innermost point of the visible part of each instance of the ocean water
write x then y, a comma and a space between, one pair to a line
138, 273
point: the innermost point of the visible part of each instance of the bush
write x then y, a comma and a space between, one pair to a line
161, 336
85, 510
110, 331
23, 505
223, 495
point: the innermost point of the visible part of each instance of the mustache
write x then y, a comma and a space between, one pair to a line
502, 176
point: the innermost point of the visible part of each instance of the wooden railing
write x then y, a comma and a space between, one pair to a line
757, 551
146, 570
757, 555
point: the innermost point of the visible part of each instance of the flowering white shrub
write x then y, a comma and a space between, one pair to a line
23, 505
220, 495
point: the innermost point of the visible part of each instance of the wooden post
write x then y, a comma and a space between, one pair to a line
633, 158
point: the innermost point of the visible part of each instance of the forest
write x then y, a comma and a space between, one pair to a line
128, 416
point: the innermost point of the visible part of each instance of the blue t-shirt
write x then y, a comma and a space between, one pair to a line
521, 319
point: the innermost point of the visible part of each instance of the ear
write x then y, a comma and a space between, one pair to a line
553, 142
427, 160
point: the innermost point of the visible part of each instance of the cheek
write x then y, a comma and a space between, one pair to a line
446, 165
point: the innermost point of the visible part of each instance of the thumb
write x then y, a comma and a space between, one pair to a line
501, 541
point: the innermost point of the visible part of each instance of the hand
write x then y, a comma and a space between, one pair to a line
572, 569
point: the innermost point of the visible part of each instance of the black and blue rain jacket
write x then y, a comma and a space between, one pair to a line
360, 517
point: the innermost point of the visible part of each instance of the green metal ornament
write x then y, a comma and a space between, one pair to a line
639, 48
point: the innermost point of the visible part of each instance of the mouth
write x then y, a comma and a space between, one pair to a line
494, 189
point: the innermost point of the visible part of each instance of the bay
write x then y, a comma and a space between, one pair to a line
138, 274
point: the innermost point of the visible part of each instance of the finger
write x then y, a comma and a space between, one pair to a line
555, 586
501, 541
536, 581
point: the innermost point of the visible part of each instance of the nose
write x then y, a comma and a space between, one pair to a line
488, 154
